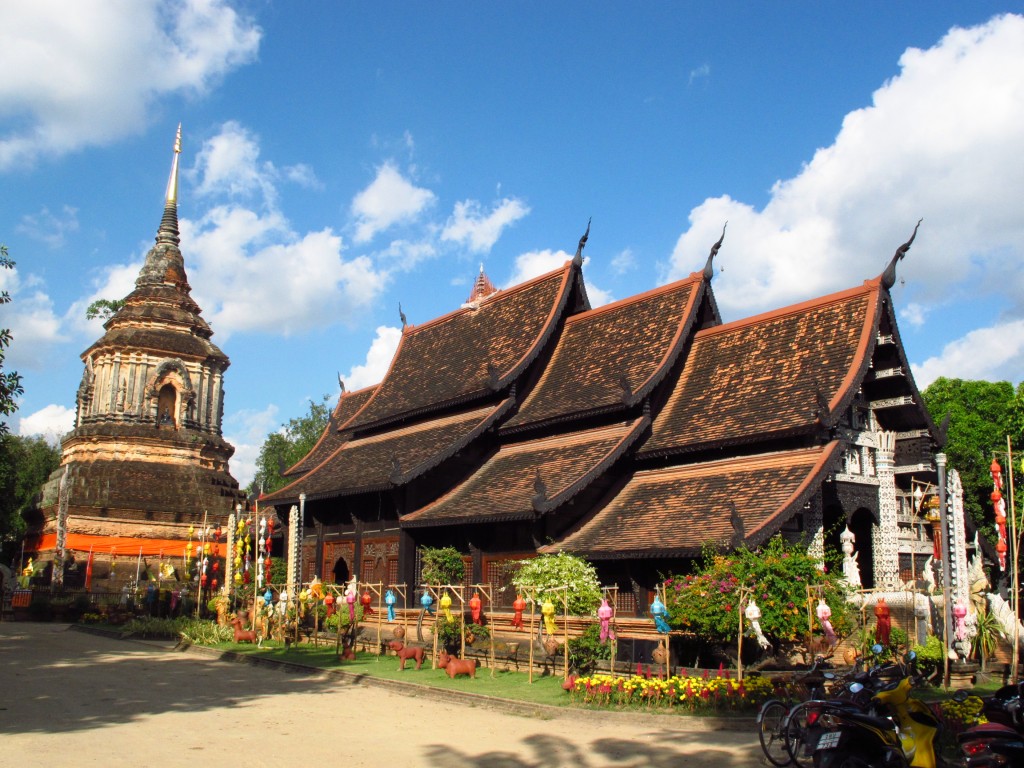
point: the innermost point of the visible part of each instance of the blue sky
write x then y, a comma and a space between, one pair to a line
341, 158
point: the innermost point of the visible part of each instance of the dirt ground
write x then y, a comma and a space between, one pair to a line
70, 698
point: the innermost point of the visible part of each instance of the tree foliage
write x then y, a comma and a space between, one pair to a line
25, 464
103, 308
442, 565
981, 416
290, 444
10, 382
547, 574
707, 601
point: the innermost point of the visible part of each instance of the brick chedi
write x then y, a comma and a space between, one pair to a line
146, 458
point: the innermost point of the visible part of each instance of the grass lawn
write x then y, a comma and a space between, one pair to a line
502, 684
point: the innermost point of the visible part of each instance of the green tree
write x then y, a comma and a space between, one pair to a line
25, 464
286, 447
10, 382
547, 574
981, 415
103, 308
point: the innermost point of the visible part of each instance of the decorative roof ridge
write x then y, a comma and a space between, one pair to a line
765, 460
524, 446
329, 427
567, 270
751, 439
484, 424
793, 309
279, 497
847, 389
635, 299
530, 426
807, 488
549, 504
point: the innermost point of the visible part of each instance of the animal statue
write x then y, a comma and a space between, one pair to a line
242, 635
406, 652
456, 666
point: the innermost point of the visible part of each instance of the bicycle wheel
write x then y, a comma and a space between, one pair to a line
771, 721
799, 736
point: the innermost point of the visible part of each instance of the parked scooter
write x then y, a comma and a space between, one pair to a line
906, 737
999, 742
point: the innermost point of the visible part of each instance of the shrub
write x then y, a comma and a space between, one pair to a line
442, 566
547, 574
587, 649
707, 601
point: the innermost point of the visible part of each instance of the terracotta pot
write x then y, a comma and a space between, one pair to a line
398, 633
660, 655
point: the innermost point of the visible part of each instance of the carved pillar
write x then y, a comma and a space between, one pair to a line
883, 536
293, 547
960, 581
815, 528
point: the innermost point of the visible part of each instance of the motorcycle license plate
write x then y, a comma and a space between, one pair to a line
828, 740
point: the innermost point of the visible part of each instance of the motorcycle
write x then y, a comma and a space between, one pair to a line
905, 737
999, 742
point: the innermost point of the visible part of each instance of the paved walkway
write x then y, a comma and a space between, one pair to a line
71, 698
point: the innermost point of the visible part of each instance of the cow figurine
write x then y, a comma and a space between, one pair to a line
242, 635
406, 652
456, 666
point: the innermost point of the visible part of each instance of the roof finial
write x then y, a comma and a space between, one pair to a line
709, 270
168, 232
889, 275
401, 315
578, 258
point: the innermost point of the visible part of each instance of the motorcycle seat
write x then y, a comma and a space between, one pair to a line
882, 723
988, 729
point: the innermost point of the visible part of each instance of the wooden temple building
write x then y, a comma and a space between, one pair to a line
632, 434
146, 460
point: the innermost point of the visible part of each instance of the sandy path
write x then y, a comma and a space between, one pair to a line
75, 699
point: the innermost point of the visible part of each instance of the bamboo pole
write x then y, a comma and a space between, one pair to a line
565, 647
488, 594
613, 637
1015, 656
533, 613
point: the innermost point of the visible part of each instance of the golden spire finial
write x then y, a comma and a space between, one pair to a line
172, 182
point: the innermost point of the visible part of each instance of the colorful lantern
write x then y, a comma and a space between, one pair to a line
604, 614
753, 614
547, 610
367, 600
883, 625
824, 617
475, 607
350, 598
427, 601
658, 611
329, 602
518, 606
389, 601
960, 616
446, 606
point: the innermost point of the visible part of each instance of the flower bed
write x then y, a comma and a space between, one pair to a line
707, 693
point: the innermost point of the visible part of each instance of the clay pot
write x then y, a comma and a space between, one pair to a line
660, 655
398, 633
850, 655
551, 645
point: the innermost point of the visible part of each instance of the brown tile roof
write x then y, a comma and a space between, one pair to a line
673, 512
506, 486
369, 463
348, 404
761, 376
611, 357
469, 352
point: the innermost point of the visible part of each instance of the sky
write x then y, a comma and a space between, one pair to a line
340, 159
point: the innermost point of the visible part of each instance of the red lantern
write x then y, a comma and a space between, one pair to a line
202, 580
997, 474
214, 584
266, 563
474, 607
996, 496
216, 565
216, 533
366, 600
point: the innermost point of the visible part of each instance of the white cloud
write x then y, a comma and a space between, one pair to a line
479, 231
30, 318
59, 60
247, 430
991, 354
48, 228
937, 143
378, 359
51, 422
535, 263
700, 73
915, 314
624, 261
388, 200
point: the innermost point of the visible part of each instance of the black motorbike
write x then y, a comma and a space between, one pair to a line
1000, 741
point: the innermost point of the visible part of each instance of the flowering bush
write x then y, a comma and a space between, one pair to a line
548, 573
707, 693
778, 574
958, 716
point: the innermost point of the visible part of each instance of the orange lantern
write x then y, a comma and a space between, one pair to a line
367, 600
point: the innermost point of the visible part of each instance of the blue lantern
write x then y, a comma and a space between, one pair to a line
427, 602
658, 611
389, 601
